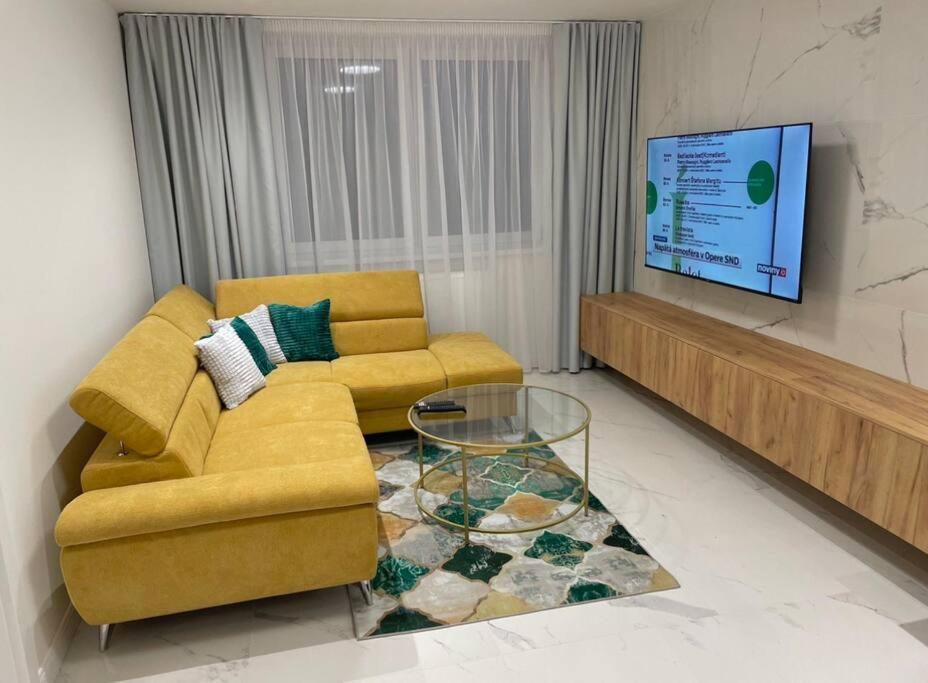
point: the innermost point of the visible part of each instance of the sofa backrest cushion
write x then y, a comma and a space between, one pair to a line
388, 304
186, 310
193, 429
183, 456
136, 391
380, 336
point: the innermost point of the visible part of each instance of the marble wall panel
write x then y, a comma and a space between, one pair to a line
858, 69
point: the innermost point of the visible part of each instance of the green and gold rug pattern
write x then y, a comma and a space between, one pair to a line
428, 578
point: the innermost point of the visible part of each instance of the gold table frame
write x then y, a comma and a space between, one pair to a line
474, 450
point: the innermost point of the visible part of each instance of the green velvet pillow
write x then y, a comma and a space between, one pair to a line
304, 332
253, 344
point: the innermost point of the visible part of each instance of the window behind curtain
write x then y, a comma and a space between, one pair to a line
429, 157
367, 138
484, 105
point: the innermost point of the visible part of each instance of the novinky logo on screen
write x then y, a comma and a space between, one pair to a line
778, 271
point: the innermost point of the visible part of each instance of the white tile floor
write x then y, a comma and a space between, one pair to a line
775, 587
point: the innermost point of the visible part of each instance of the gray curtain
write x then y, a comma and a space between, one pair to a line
596, 77
198, 96
215, 206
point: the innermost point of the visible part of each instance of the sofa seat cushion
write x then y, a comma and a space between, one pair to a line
389, 380
473, 358
283, 445
289, 403
300, 372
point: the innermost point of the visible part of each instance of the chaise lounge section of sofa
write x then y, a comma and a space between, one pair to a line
187, 505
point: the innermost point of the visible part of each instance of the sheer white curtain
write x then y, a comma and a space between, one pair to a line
424, 145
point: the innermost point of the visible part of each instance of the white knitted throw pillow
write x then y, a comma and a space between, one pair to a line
259, 320
229, 363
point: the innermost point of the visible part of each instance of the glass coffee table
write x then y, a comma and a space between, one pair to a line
513, 421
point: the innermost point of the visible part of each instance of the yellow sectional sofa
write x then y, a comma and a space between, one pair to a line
187, 505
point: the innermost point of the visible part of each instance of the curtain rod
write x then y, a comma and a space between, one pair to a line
381, 19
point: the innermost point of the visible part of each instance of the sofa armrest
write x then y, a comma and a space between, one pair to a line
473, 358
107, 514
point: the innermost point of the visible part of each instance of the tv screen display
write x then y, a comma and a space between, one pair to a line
729, 207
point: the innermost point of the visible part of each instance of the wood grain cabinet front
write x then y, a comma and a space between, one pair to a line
857, 436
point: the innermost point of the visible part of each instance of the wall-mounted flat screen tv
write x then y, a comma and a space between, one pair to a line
729, 207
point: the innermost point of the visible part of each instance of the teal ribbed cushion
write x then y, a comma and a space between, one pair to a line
304, 332
253, 344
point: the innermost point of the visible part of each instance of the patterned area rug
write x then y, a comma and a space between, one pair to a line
428, 578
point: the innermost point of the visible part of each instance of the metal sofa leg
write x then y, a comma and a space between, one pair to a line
367, 592
105, 631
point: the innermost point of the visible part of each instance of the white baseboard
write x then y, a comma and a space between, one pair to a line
54, 658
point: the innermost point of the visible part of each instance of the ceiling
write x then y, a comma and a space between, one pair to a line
412, 9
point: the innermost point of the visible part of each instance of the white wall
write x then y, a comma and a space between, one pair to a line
74, 276
858, 69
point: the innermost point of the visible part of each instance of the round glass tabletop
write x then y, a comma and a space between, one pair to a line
513, 415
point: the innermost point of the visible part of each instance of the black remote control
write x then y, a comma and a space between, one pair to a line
439, 407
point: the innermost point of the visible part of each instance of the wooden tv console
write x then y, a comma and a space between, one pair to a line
858, 436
